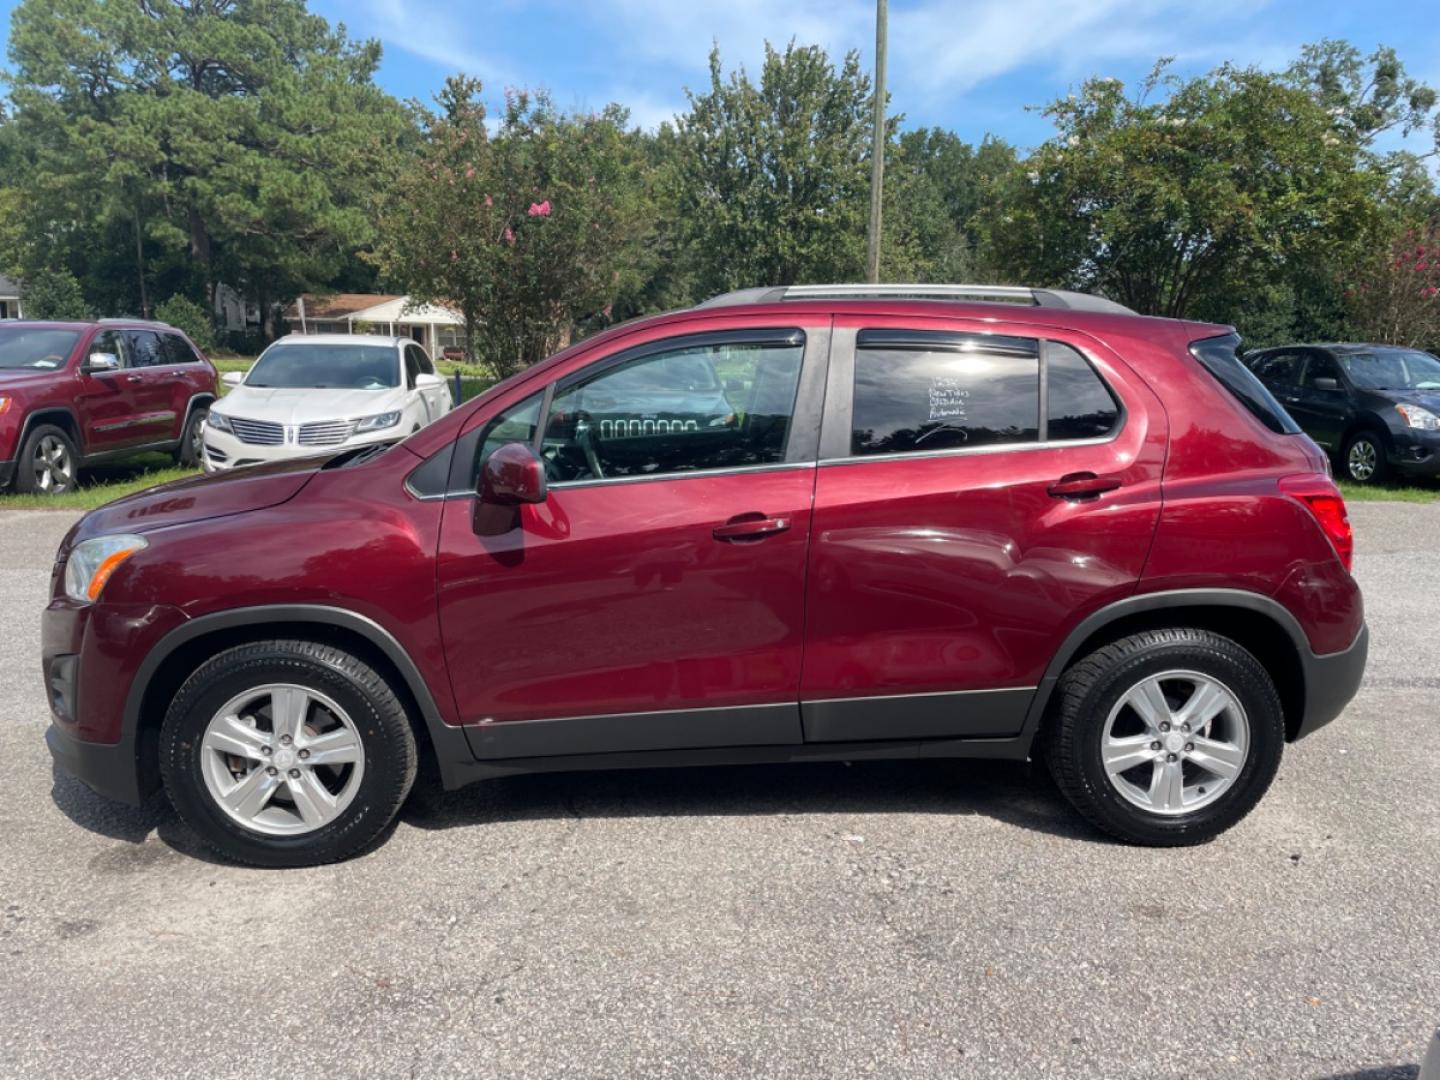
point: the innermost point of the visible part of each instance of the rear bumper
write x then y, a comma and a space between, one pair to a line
108, 769
1331, 681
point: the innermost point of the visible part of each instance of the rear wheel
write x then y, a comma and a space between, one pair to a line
48, 464
192, 439
1363, 459
287, 753
1167, 737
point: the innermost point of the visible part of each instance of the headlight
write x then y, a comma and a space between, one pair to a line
218, 421
1417, 417
93, 562
377, 423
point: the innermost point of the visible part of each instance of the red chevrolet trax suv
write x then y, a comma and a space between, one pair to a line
75, 394
933, 522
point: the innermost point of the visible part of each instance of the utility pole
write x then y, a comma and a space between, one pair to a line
877, 149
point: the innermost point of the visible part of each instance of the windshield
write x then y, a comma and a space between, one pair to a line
1392, 369
306, 366
32, 347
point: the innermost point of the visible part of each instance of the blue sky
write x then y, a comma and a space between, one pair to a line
970, 65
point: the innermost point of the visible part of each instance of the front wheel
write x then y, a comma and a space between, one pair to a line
1363, 458
1167, 737
287, 753
48, 464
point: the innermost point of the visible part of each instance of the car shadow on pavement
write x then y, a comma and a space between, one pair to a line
1012, 792
1383, 1072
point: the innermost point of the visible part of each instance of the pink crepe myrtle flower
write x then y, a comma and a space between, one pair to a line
1429, 291
540, 209
489, 202
509, 235
470, 173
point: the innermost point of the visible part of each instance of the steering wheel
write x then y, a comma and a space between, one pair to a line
585, 440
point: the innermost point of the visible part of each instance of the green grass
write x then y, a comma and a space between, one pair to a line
102, 483
1411, 493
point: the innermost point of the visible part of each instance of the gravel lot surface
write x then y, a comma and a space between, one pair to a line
941, 919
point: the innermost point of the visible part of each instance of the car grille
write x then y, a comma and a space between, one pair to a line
257, 432
326, 432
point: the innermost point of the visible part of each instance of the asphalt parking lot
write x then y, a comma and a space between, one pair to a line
941, 919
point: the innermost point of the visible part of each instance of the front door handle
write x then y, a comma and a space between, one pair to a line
1082, 485
132, 378
750, 527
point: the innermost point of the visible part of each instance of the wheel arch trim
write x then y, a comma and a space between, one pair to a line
1144, 603
448, 742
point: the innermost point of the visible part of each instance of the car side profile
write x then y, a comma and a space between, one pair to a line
74, 394
933, 521
1374, 408
308, 394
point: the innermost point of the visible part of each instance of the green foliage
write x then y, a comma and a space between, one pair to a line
772, 181
528, 233
54, 294
184, 314
172, 144
1179, 204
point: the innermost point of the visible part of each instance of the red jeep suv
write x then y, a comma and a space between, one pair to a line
960, 521
74, 394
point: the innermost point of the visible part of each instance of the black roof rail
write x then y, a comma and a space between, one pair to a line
135, 322
1009, 294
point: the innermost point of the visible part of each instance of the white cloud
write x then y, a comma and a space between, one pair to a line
428, 31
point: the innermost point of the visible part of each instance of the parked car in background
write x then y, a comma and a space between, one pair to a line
1374, 408
74, 394
309, 394
922, 528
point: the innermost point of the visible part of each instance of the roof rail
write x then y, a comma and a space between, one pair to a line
1010, 294
136, 322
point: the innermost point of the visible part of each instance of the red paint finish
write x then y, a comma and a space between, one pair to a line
109, 412
963, 571
618, 597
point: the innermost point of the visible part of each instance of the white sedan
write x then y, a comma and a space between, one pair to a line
310, 394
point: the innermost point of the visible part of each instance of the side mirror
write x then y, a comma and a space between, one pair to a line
424, 381
102, 361
233, 378
512, 475
1325, 382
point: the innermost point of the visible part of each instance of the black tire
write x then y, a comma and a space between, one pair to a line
190, 452
1364, 446
387, 741
29, 477
1090, 690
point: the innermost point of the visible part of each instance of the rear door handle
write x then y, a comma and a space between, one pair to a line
750, 527
132, 378
1082, 485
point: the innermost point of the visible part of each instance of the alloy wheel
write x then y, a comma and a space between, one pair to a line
1175, 742
282, 760
1362, 460
53, 466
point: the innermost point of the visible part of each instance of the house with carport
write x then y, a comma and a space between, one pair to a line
437, 329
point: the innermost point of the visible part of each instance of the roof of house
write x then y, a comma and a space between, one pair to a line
337, 305
374, 308
10, 290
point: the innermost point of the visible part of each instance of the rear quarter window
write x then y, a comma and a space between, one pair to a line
1218, 356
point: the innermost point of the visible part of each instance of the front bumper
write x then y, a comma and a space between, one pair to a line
1416, 453
109, 769
7, 473
1331, 681
224, 451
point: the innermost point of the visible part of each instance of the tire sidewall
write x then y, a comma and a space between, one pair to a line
1256, 694
190, 452
181, 756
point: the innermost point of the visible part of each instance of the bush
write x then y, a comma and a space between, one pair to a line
184, 314
54, 294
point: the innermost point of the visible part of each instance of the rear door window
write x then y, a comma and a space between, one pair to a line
919, 392
1217, 355
1078, 404
145, 350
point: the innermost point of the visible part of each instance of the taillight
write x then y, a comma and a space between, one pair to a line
1322, 498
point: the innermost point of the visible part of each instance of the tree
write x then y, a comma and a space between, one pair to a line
185, 314
529, 233
53, 294
1366, 96
1181, 205
1394, 294
772, 181
199, 141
